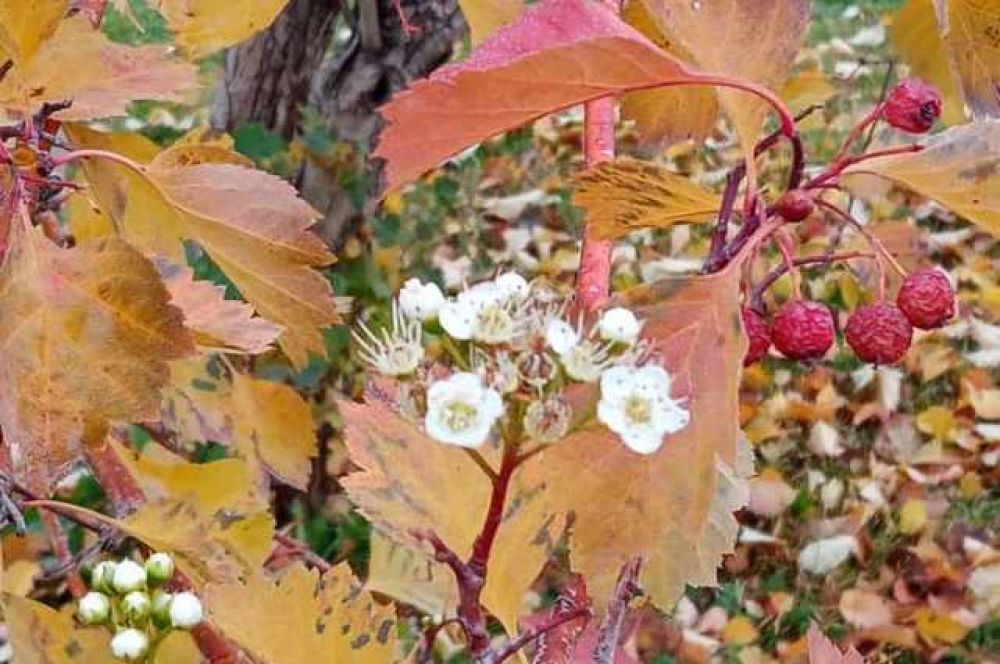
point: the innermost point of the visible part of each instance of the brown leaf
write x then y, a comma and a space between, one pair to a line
84, 339
630, 194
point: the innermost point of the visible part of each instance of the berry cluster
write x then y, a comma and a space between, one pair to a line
131, 601
879, 333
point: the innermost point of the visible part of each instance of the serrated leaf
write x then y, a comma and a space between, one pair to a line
202, 27
407, 575
487, 16
274, 424
84, 340
677, 502
559, 53
24, 26
39, 634
196, 404
719, 37
101, 78
408, 481
823, 651
915, 35
218, 324
630, 194
302, 615
971, 34
958, 168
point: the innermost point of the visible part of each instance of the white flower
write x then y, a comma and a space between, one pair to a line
129, 576
481, 312
419, 300
396, 353
130, 645
512, 285
93, 608
561, 336
461, 411
586, 361
635, 404
185, 610
619, 325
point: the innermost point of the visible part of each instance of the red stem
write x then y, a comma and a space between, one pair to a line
594, 280
626, 589
114, 477
60, 547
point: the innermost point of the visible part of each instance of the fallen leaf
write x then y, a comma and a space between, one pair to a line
913, 516
823, 651
825, 555
939, 629
84, 340
630, 194
302, 614
25, 26
957, 168
970, 33
937, 421
770, 494
864, 609
202, 27
487, 16
739, 631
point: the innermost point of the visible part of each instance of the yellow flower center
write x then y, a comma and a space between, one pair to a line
459, 416
637, 409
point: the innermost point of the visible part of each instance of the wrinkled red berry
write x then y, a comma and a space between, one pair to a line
912, 106
795, 205
927, 299
758, 334
879, 333
803, 330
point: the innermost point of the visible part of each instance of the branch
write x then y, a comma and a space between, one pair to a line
626, 589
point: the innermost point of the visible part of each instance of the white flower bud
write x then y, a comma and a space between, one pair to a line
512, 285
135, 607
93, 608
130, 645
419, 300
159, 611
129, 576
159, 568
102, 577
185, 610
619, 325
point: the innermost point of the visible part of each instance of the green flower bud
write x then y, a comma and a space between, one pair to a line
93, 608
135, 607
159, 568
159, 612
102, 577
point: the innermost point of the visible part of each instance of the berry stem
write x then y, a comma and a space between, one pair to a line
77, 155
837, 168
867, 121
785, 246
876, 244
757, 297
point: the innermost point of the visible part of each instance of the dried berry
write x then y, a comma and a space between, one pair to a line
912, 106
927, 299
879, 333
803, 330
758, 334
795, 205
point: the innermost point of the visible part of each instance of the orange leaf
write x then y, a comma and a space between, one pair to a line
970, 32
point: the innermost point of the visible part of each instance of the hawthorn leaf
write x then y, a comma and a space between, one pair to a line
915, 35
752, 39
970, 32
559, 53
25, 26
663, 115
824, 651
408, 576
84, 340
626, 195
100, 77
303, 614
410, 482
271, 422
217, 323
487, 16
958, 168
677, 502
196, 404
38, 634
256, 229
202, 27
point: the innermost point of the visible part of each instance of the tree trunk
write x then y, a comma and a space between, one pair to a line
272, 76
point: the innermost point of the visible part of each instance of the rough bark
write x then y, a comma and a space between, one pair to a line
267, 78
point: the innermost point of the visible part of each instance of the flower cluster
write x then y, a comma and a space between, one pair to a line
130, 600
511, 353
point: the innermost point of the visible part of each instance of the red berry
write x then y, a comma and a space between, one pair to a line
879, 333
927, 298
794, 206
758, 334
803, 330
912, 106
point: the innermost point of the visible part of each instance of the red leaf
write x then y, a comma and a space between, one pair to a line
560, 53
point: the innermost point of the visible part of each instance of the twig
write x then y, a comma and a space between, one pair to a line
526, 637
626, 589
60, 547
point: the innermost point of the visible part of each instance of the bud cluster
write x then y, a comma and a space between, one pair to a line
511, 351
131, 601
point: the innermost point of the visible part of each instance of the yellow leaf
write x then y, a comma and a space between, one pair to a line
937, 421
487, 16
84, 339
809, 86
667, 114
719, 39
196, 404
970, 486
938, 629
971, 35
409, 481
101, 78
739, 631
24, 26
86, 221
913, 516
41, 635
302, 616
408, 576
916, 37
629, 194
201, 27
957, 168
218, 324
273, 423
